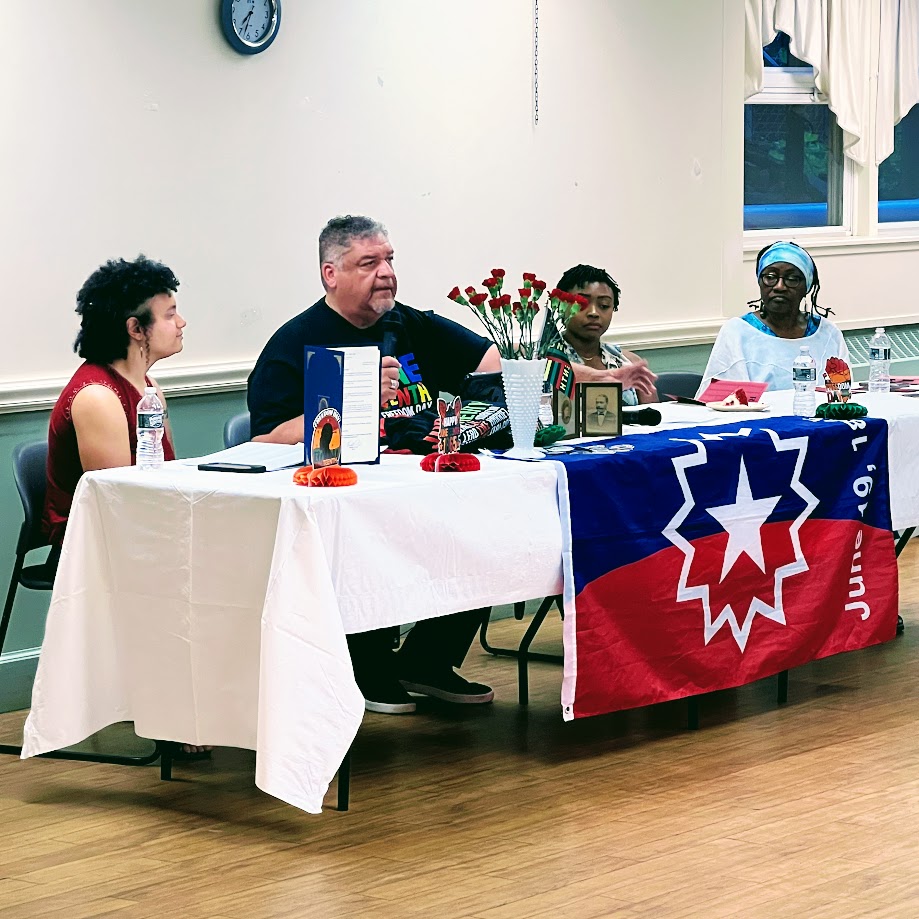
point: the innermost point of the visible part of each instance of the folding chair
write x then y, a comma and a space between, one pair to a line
677, 383
237, 430
29, 473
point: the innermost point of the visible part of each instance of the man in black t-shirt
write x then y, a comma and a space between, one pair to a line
424, 354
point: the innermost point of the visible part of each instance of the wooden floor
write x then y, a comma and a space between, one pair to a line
503, 812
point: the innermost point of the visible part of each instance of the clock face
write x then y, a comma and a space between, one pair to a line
250, 26
252, 19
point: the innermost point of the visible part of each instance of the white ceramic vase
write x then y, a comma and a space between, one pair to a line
522, 389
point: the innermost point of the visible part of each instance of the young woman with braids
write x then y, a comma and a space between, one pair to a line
594, 360
762, 345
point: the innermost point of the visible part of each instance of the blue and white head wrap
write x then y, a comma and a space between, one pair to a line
791, 253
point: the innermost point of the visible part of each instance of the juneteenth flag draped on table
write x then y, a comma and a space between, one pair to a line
705, 558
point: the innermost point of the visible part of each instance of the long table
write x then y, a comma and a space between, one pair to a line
212, 609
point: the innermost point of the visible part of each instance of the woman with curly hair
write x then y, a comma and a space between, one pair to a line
128, 321
762, 345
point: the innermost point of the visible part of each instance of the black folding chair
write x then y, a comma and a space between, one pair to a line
237, 430
677, 383
29, 474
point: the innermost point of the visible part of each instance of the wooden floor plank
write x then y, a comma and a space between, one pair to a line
503, 812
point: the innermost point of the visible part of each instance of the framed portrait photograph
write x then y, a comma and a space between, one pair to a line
565, 412
600, 409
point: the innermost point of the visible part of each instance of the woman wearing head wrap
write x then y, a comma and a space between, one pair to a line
762, 345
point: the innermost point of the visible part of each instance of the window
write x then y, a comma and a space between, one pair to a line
793, 157
778, 54
898, 175
789, 161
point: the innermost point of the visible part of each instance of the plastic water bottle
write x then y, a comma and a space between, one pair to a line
545, 408
804, 375
879, 362
150, 426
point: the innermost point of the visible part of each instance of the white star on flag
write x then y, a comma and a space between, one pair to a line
742, 521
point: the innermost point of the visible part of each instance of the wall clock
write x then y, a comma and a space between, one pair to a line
250, 26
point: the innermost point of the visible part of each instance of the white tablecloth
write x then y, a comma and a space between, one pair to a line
212, 608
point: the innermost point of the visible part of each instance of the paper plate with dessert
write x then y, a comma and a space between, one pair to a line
737, 401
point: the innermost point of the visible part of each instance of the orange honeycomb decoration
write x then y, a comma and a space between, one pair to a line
325, 476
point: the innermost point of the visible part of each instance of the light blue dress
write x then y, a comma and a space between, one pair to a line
747, 349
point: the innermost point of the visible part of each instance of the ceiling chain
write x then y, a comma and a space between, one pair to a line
536, 63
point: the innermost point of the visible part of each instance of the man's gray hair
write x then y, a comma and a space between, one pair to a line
336, 237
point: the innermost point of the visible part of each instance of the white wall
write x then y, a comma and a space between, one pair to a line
131, 126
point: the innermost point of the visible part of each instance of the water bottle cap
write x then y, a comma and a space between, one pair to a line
150, 390
805, 348
879, 330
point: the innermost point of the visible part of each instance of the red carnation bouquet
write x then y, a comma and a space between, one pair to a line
510, 323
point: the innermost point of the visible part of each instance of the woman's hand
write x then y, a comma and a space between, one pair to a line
637, 376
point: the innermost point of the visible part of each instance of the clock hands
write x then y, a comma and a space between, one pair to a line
247, 32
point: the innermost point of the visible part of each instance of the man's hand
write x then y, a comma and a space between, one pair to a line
637, 376
389, 379
288, 432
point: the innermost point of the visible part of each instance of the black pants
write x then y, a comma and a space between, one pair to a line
431, 645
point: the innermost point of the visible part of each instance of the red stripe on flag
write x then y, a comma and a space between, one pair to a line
637, 644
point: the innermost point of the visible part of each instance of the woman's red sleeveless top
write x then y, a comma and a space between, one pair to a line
64, 467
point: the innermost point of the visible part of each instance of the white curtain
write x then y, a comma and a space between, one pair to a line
834, 37
805, 22
898, 75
